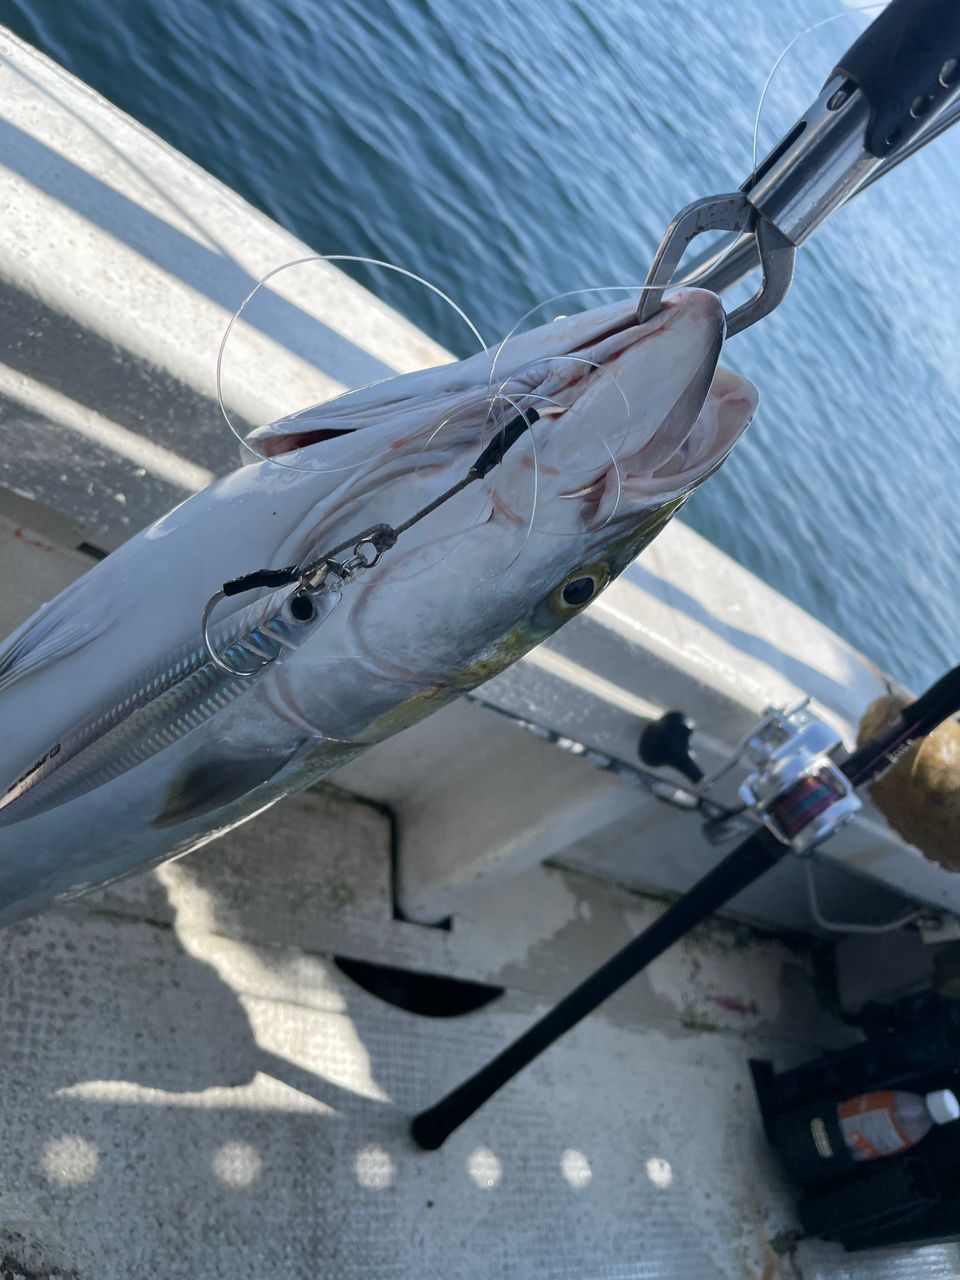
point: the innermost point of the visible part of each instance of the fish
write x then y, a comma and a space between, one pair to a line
130, 738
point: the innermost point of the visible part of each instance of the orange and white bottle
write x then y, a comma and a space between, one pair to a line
888, 1121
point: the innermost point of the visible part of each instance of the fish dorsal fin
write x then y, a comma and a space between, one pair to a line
376, 409
73, 619
420, 399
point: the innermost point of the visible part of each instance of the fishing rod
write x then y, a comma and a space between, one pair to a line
896, 88
800, 796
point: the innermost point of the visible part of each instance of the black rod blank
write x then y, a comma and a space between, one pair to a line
757, 854
751, 859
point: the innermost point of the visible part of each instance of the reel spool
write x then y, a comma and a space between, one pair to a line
796, 790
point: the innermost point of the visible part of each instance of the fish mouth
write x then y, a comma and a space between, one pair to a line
726, 413
615, 415
615, 401
677, 461
273, 446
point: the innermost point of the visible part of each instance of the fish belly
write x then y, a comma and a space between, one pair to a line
208, 782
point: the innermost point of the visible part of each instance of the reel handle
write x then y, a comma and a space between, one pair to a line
666, 743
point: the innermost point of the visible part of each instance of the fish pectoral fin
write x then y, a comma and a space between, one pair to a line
77, 616
210, 782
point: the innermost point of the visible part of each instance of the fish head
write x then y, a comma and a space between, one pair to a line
617, 431
616, 423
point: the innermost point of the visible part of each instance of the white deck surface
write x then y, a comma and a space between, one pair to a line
191, 1089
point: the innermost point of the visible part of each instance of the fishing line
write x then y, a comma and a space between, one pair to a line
519, 399
500, 398
241, 436
639, 289
505, 437
402, 271
427, 555
304, 422
528, 403
313, 577
814, 26
676, 794
586, 474
560, 297
849, 926
536, 489
539, 361
638, 433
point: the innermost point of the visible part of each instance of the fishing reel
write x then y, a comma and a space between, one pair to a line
795, 789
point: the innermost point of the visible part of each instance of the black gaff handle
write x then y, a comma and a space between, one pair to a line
751, 859
940, 701
906, 66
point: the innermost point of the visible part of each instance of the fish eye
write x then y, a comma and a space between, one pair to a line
579, 591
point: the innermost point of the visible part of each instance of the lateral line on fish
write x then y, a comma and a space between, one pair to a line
264, 641
116, 738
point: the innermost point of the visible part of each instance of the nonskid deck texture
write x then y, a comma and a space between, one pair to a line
192, 1088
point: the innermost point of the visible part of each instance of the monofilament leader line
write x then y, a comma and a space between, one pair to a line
384, 536
368, 546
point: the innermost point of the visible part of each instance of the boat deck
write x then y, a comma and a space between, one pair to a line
193, 1088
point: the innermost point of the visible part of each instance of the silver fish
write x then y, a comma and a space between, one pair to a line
125, 742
